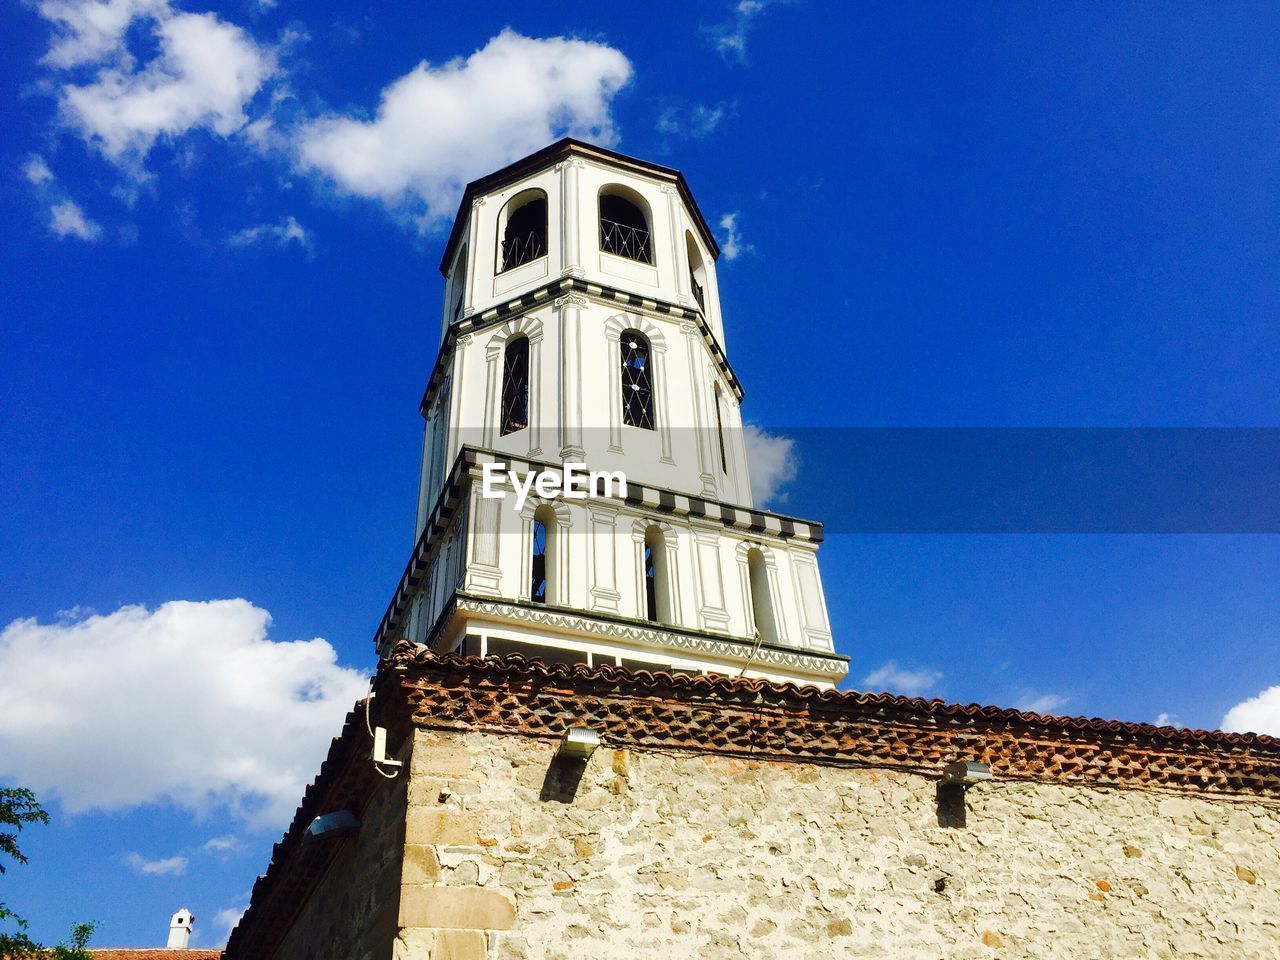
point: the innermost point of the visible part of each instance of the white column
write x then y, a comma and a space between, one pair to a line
570, 218
570, 309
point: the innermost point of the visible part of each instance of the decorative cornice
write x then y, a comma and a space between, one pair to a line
699, 511
555, 291
829, 666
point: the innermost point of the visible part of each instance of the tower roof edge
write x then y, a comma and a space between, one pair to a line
565, 147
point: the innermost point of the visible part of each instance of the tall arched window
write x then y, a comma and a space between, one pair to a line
624, 225
761, 600
697, 272
458, 283
724, 461
656, 584
637, 380
524, 230
515, 386
542, 585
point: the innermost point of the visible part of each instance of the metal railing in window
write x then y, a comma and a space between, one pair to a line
624, 241
697, 292
523, 249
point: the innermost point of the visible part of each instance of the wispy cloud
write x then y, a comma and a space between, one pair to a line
166, 867
771, 462
730, 37
901, 680
37, 171
697, 121
1260, 714
66, 219
731, 243
1034, 702
224, 844
281, 234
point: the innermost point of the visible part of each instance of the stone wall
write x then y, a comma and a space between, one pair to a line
685, 855
351, 911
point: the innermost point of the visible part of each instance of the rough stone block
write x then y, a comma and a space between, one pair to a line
456, 908
440, 826
421, 865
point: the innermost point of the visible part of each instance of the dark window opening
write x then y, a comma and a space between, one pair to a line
637, 381
515, 386
624, 229
724, 461
650, 586
525, 236
538, 583
697, 290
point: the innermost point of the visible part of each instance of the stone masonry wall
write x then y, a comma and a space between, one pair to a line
697, 856
351, 913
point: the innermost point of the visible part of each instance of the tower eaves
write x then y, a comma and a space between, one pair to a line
545, 157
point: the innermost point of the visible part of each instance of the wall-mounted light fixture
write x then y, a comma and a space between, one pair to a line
956, 779
578, 743
966, 773
329, 826
564, 773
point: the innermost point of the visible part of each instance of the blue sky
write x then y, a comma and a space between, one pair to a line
217, 326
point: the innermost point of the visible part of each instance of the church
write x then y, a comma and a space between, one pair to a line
605, 720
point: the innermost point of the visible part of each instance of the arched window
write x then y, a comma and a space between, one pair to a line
637, 380
458, 283
761, 600
697, 272
624, 225
656, 584
524, 230
515, 386
542, 585
724, 461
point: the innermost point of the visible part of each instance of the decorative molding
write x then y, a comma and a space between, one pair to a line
593, 291
648, 635
570, 300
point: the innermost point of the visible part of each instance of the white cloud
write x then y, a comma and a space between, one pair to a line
224, 921
1033, 702
224, 844
1260, 714
169, 866
37, 171
1166, 720
771, 461
66, 219
287, 231
439, 126
190, 703
205, 73
732, 245
697, 121
909, 683
730, 38
88, 31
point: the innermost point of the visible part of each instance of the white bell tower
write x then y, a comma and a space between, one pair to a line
582, 325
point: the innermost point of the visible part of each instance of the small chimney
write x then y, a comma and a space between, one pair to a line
180, 929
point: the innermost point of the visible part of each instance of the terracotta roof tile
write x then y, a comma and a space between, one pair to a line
739, 717
152, 953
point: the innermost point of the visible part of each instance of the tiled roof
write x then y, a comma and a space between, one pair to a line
738, 717
759, 718
153, 953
